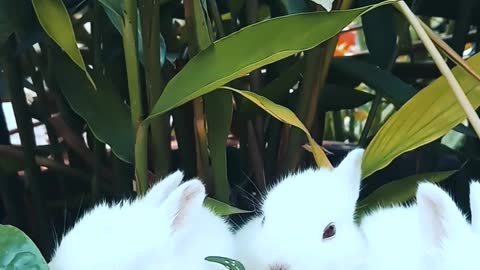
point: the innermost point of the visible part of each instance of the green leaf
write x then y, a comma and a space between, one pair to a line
227, 262
236, 55
104, 111
277, 90
113, 10
337, 97
399, 191
54, 18
380, 33
221, 208
19, 251
382, 81
285, 115
218, 110
426, 117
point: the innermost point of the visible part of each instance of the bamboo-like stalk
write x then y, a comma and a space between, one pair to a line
442, 66
198, 41
159, 128
213, 7
130, 42
13, 73
316, 70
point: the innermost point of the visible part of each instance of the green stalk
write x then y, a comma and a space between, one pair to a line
159, 128
371, 117
317, 63
338, 126
136, 101
198, 41
213, 8
13, 74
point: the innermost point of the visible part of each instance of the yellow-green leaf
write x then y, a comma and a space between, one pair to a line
54, 18
287, 116
236, 55
399, 191
426, 117
221, 208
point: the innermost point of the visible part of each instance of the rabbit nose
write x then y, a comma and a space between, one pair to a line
279, 266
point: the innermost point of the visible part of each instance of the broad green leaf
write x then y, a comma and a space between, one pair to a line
337, 97
278, 90
380, 80
400, 190
236, 55
426, 117
15, 16
221, 208
114, 6
111, 9
227, 262
380, 33
286, 116
218, 111
54, 18
18, 251
103, 110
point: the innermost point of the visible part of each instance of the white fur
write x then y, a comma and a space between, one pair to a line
168, 229
432, 234
296, 212
393, 238
450, 242
475, 205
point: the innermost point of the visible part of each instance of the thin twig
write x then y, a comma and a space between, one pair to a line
442, 66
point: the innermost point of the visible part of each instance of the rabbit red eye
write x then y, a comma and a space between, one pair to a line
329, 231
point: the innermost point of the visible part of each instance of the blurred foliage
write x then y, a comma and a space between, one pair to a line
127, 91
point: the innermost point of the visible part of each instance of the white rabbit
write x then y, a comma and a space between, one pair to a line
450, 241
393, 238
475, 205
168, 229
432, 234
307, 222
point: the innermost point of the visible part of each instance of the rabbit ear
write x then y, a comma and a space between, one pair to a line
440, 218
160, 191
351, 170
184, 201
475, 205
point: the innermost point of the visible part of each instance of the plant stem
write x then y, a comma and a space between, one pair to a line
130, 42
212, 4
317, 63
159, 128
198, 41
13, 73
371, 117
442, 66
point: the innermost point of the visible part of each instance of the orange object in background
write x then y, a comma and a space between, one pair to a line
347, 43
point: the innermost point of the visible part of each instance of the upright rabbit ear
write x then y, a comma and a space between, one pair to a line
440, 218
475, 205
184, 201
160, 191
351, 170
